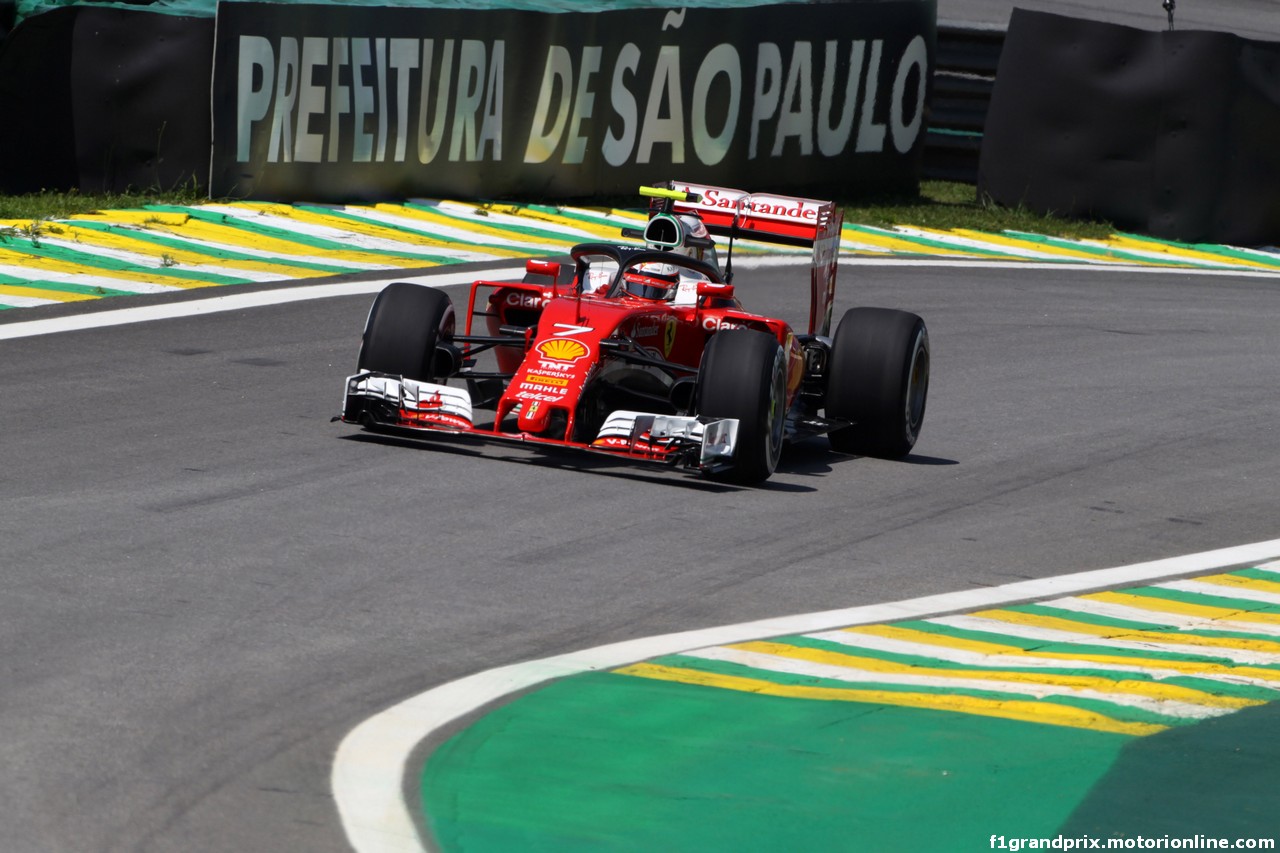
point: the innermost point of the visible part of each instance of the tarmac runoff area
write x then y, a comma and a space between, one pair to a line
165, 249
1141, 717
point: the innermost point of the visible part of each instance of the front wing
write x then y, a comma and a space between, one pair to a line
379, 400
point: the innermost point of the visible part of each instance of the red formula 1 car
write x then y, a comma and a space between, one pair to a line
644, 352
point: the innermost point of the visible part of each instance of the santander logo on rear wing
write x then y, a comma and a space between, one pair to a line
776, 219
760, 216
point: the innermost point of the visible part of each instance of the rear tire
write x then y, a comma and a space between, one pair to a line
879, 379
744, 376
404, 326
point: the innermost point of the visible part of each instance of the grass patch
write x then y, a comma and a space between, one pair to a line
947, 205
940, 204
59, 205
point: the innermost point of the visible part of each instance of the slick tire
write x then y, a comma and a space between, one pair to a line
744, 376
879, 379
404, 326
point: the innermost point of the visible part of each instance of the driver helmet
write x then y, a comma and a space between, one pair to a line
652, 280
705, 250
695, 227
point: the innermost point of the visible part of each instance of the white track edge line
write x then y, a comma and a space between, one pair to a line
371, 761
235, 302
239, 301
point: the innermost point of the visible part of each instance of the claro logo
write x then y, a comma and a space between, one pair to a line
524, 300
716, 324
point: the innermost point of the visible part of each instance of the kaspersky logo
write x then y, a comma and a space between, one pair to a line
562, 349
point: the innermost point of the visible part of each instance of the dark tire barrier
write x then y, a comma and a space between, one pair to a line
102, 99
963, 77
37, 128
1172, 134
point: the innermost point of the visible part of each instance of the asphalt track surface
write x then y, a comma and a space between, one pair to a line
208, 584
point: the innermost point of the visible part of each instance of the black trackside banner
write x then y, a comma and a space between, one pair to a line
332, 103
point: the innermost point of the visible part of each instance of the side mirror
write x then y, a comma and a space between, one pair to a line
549, 269
716, 289
539, 267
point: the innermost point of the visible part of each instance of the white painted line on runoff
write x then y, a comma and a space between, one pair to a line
238, 301
371, 763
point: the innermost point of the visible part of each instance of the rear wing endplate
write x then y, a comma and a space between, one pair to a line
775, 219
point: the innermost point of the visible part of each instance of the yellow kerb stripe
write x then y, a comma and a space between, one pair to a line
1121, 686
898, 244
1027, 245
608, 230
229, 235
445, 242
1130, 635
1024, 711
126, 241
926, 638
1165, 605
38, 293
331, 220
499, 232
51, 265
1176, 253
1242, 583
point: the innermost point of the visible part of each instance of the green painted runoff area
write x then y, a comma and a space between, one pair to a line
611, 762
1219, 778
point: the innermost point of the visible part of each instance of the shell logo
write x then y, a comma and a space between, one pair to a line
562, 349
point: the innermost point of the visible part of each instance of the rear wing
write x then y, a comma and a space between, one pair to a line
772, 219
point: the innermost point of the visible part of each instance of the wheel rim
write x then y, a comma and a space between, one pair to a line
917, 385
777, 405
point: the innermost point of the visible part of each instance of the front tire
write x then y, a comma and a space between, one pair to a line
404, 326
744, 376
879, 379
